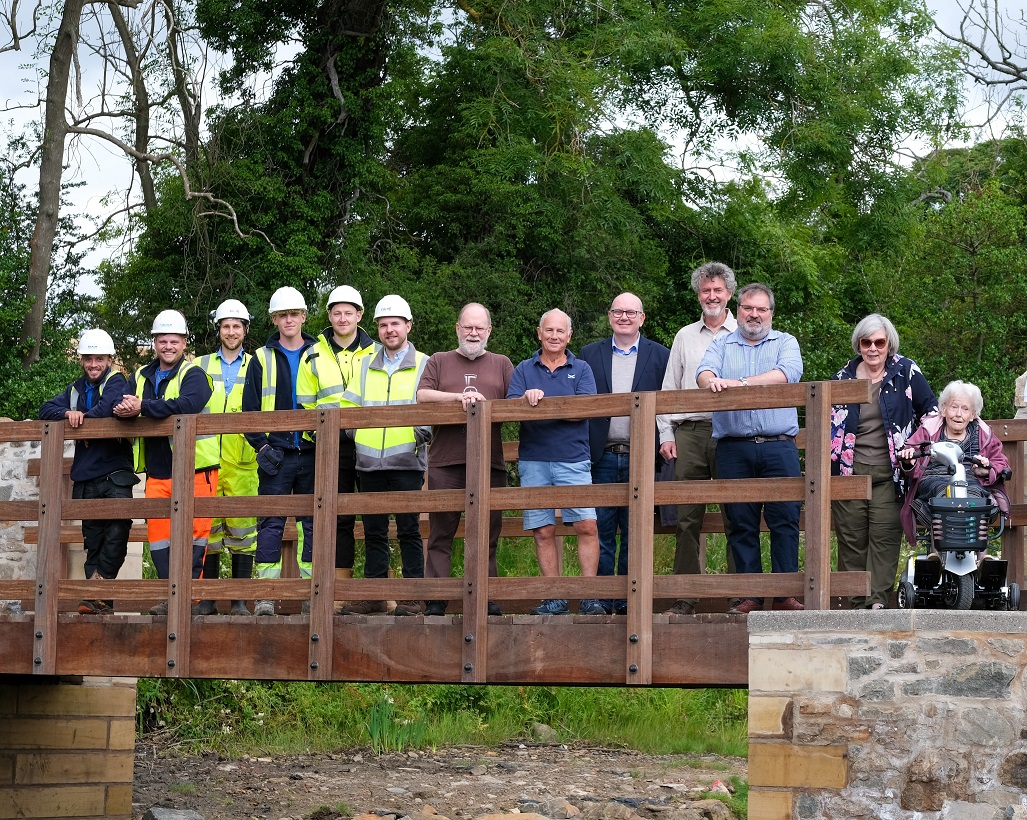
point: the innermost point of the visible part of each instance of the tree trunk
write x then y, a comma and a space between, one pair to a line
51, 169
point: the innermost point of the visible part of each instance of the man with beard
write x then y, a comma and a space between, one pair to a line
468, 375
688, 437
757, 443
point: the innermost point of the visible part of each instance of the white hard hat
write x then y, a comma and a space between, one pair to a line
96, 342
345, 293
230, 309
286, 298
169, 321
393, 305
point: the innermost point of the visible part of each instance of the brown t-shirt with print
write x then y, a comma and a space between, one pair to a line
451, 372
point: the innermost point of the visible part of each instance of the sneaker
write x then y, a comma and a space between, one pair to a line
435, 608
159, 609
95, 608
590, 606
557, 606
680, 608
205, 608
264, 608
407, 608
238, 608
494, 608
364, 608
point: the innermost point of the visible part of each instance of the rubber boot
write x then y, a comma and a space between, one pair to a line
199, 553
242, 567
211, 569
340, 575
162, 563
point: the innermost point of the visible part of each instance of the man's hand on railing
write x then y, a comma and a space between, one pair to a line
129, 406
74, 417
534, 396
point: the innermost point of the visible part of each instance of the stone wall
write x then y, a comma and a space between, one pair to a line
891, 714
67, 748
17, 560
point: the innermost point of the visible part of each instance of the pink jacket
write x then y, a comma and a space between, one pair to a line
990, 448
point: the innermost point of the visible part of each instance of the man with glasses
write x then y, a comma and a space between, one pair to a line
757, 443
688, 437
468, 375
625, 363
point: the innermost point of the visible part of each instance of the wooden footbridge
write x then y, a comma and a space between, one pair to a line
638, 649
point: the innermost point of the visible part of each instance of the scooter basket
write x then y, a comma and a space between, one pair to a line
961, 523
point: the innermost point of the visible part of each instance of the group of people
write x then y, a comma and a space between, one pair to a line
344, 367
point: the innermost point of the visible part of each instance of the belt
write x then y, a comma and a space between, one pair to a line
618, 449
758, 439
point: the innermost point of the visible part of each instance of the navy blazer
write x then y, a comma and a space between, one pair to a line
650, 366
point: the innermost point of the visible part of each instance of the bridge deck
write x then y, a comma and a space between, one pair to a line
635, 649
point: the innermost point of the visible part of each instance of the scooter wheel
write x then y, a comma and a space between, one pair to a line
1013, 597
907, 595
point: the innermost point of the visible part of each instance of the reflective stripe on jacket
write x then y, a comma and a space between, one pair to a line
389, 448
324, 374
232, 447
206, 445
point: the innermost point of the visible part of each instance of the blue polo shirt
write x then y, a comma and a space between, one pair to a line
553, 440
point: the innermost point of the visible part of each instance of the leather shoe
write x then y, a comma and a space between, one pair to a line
789, 604
745, 606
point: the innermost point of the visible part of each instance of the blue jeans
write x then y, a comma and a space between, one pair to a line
612, 468
769, 459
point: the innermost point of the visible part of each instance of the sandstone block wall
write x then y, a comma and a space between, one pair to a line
67, 748
891, 714
17, 560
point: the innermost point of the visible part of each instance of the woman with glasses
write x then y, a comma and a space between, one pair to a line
865, 440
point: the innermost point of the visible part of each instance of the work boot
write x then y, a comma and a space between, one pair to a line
342, 574
242, 567
211, 569
160, 608
264, 608
364, 608
407, 608
96, 607
435, 608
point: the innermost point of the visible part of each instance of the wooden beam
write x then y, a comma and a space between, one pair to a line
818, 497
183, 471
322, 585
474, 649
638, 646
48, 553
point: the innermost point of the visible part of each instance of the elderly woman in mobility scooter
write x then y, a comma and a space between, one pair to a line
957, 468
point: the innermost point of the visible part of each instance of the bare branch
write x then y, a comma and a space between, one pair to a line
11, 19
228, 212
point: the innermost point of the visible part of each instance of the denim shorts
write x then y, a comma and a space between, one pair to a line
555, 474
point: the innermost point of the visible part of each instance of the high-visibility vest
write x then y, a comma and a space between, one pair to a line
387, 448
232, 447
324, 374
73, 398
206, 445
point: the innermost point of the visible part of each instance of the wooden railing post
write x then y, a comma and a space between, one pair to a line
478, 510
818, 496
1013, 538
49, 553
326, 510
642, 474
183, 503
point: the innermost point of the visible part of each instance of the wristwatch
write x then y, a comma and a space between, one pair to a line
745, 381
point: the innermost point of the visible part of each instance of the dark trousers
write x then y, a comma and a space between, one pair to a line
345, 543
769, 459
612, 468
105, 541
443, 525
376, 527
294, 477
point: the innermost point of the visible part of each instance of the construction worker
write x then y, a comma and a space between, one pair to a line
325, 369
238, 473
285, 460
101, 468
171, 386
390, 459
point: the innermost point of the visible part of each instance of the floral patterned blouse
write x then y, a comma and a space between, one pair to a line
906, 398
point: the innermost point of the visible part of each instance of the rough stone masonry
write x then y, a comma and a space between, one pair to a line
887, 714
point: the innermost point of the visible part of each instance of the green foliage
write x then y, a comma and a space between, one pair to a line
235, 716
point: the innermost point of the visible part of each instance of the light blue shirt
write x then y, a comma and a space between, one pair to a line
229, 370
393, 361
731, 357
631, 351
